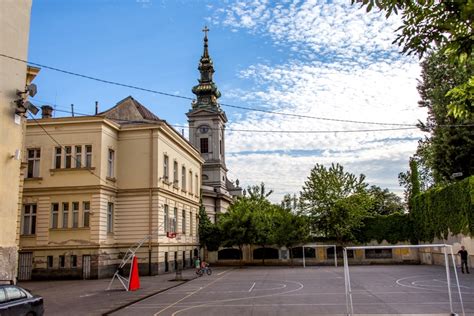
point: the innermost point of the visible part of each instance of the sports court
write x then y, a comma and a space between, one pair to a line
314, 290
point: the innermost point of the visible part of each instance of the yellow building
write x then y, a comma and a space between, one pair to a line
96, 185
14, 33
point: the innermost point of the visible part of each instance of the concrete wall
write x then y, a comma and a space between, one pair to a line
14, 33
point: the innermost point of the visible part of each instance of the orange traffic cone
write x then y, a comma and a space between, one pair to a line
134, 283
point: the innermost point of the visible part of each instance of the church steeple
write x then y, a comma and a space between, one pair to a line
206, 91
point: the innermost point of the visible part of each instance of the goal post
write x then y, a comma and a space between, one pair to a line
446, 248
319, 246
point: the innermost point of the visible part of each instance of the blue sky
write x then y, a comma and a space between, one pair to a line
315, 58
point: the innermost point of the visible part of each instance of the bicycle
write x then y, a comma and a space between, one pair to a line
206, 270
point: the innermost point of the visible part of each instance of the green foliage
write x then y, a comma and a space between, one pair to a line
347, 216
323, 189
209, 233
384, 202
441, 211
448, 149
393, 228
289, 229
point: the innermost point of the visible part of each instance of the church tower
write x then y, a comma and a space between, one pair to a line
207, 133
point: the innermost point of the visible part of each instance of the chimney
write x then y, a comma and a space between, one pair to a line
46, 111
96, 107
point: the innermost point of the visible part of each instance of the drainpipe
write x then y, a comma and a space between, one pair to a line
150, 204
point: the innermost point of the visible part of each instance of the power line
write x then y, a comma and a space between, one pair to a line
267, 131
188, 98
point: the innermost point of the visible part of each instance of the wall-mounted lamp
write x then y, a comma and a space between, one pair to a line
22, 106
17, 155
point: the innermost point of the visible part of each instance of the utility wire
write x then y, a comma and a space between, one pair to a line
188, 98
265, 131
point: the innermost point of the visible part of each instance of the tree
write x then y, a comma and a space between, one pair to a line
447, 26
258, 192
384, 202
209, 233
450, 146
237, 225
348, 215
289, 229
323, 189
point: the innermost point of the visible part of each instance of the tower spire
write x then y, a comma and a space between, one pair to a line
206, 91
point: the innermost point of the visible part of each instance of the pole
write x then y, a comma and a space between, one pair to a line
457, 280
347, 281
335, 256
448, 278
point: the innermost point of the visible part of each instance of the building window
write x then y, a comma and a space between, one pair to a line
67, 156
73, 261
197, 185
166, 218
183, 178
57, 157
62, 261
110, 166
86, 209
165, 167
175, 173
65, 215
78, 157
197, 224
33, 163
110, 217
29, 219
88, 156
191, 223
175, 220
75, 214
204, 145
54, 215
190, 181
183, 223
49, 262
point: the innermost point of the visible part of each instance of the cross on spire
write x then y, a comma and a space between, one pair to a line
205, 30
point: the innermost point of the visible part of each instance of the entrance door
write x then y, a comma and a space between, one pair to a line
86, 267
25, 266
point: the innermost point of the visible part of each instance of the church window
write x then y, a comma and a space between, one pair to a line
204, 145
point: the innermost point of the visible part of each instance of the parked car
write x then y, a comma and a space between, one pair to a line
15, 301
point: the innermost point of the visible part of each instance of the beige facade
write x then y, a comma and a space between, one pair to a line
99, 184
14, 32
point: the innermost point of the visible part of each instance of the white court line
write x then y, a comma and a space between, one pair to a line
253, 285
211, 303
223, 271
171, 305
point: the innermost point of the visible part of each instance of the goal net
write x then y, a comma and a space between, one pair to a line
447, 250
319, 246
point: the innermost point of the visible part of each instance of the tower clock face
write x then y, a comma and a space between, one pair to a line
203, 129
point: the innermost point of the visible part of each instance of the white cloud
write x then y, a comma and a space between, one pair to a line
343, 66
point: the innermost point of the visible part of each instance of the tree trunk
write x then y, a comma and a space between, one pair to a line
263, 257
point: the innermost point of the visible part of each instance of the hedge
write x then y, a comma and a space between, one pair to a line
441, 211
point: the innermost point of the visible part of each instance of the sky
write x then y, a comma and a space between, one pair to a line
326, 61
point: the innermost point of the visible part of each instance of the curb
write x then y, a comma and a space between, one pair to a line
145, 297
